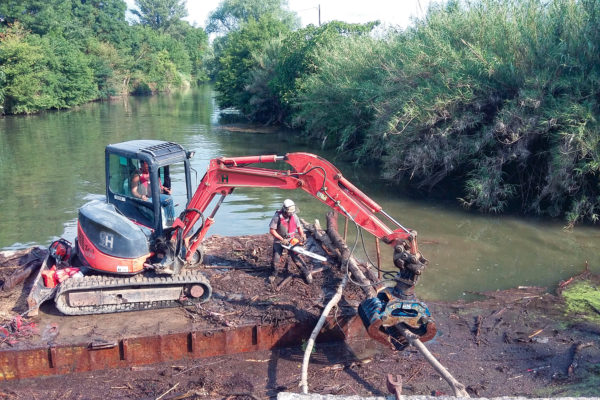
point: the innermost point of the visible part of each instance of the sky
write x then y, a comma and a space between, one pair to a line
389, 12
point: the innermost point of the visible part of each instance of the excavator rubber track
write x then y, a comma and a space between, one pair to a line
101, 294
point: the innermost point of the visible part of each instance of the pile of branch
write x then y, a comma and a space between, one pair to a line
24, 262
335, 246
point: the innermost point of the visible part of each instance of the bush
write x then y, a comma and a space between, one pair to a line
337, 103
238, 57
501, 96
29, 82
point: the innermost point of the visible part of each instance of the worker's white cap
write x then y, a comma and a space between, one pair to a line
289, 205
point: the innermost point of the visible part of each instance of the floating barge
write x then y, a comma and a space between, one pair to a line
248, 312
80, 354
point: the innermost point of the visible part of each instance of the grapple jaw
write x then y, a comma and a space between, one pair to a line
382, 315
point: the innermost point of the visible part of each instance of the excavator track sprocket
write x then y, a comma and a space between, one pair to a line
100, 294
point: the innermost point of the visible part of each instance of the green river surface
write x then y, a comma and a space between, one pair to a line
53, 163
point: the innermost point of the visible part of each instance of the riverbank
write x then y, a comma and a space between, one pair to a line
512, 342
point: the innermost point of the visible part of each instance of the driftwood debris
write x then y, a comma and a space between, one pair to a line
576, 348
457, 387
334, 244
25, 261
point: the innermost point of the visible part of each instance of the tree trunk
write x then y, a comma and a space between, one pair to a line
346, 256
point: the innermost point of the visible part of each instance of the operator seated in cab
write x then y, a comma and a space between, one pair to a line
284, 226
140, 188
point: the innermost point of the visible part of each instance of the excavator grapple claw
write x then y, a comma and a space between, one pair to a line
382, 315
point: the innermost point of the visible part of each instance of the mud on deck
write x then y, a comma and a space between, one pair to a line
515, 342
249, 311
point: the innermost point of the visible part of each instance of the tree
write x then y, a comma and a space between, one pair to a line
196, 44
28, 80
105, 19
237, 60
232, 14
285, 62
161, 62
38, 16
160, 14
75, 19
300, 52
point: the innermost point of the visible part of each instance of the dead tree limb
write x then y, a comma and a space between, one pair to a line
372, 275
321, 236
332, 247
458, 388
311, 341
347, 256
575, 350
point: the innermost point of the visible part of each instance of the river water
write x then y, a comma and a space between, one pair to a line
53, 163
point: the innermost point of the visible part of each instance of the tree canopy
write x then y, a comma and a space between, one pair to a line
60, 53
230, 15
160, 14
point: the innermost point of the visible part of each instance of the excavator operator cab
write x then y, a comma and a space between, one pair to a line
145, 178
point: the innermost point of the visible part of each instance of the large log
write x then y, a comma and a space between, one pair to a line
321, 237
346, 256
457, 387
336, 251
330, 248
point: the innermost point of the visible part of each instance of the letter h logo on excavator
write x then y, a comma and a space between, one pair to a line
224, 178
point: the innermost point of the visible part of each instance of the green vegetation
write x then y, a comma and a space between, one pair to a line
231, 15
60, 53
582, 300
495, 102
236, 61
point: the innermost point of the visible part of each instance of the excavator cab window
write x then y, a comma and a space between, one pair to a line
121, 193
119, 174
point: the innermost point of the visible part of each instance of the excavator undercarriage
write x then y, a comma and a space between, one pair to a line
99, 294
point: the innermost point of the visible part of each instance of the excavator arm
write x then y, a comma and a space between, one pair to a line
318, 177
308, 172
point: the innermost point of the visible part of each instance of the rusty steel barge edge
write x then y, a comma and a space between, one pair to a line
127, 352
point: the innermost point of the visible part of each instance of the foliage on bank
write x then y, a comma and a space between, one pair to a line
60, 53
497, 101
582, 301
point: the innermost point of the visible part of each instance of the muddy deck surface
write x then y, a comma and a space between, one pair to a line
516, 342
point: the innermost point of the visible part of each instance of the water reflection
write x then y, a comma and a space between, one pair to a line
50, 164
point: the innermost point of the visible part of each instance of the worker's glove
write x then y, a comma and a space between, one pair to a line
285, 242
302, 239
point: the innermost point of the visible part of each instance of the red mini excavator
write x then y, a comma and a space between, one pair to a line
135, 251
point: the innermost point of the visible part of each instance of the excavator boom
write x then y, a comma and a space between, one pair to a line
308, 172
